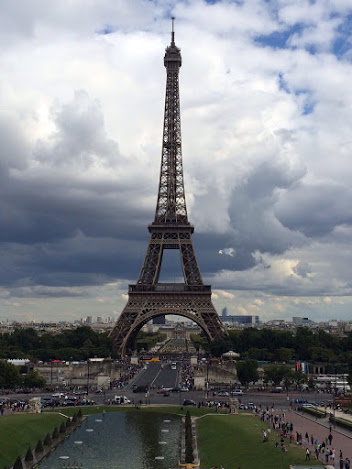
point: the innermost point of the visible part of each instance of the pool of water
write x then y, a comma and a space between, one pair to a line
135, 440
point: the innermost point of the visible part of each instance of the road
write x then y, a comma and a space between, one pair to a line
156, 375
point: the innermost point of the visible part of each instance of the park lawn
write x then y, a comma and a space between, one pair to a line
236, 441
20, 431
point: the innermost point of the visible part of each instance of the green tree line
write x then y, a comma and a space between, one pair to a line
74, 344
282, 346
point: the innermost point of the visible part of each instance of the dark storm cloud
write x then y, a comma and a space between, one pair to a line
252, 210
315, 209
207, 245
72, 218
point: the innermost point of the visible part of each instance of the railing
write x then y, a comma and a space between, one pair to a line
169, 287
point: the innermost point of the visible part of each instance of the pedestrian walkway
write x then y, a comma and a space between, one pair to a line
341, 441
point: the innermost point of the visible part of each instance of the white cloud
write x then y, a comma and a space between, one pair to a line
266, 144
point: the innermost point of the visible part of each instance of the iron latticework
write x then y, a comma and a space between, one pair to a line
149, 298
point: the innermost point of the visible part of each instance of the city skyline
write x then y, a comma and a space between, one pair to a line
265, 118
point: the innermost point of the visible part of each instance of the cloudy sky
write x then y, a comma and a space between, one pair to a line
266, 109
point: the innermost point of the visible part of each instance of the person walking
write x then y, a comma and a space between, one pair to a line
307, 454
342, 463
327, 454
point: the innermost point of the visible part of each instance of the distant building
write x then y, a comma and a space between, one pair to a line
159, 320
224, 312
298, 321
89, 320
247, 320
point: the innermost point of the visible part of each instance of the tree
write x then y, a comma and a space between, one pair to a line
29, 455
18, 463
9, 375
39, 448
188, 439
285, 354
299, 377
349, 367
34, 380
275, 373
63, 428
48, 441
247, 371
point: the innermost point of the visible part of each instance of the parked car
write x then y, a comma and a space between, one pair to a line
121, 400
86, 402
223, 392
140, 389
237, 392
188, 402
49, 401
164, 390
70, 402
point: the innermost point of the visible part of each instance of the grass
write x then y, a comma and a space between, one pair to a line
236, 441
20, 431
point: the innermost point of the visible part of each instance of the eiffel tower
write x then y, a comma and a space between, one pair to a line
149, 298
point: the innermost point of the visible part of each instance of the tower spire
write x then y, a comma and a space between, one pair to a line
173, 32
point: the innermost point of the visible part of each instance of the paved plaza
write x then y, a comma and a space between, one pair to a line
320, 429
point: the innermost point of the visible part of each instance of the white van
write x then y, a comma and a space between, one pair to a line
121, 400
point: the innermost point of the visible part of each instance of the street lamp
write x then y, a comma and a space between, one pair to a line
207, 382
88, 377
315, 400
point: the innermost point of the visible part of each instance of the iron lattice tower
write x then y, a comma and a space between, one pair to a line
149, 298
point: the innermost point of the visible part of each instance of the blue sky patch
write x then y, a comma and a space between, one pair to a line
107, 29
308, 102
283, 83
342, 45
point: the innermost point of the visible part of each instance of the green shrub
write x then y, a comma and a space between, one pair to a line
55, 434
18, 463
188, 439
39, 448
29, 455
63, 428
48, 441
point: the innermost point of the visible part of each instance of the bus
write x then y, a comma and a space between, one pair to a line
149, 358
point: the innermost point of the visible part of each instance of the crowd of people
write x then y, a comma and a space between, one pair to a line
320, 449
129, 372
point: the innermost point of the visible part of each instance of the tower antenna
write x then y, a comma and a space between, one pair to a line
172, 31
